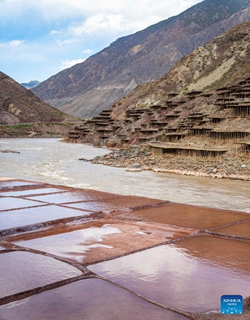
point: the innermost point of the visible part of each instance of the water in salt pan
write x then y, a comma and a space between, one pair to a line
9, 203
72, 244
190, 275
241, 230
74, 196
89, 299
189, 216
21, 271
28, 216
121, 203
30, 192
16, 183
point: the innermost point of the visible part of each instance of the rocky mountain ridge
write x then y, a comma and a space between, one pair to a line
19, 105
87, 88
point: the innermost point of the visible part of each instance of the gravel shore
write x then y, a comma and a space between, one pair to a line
133, 159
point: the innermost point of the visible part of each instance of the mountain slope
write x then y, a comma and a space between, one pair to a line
222, 62
89, 87
19, 105
188, 88
196, 117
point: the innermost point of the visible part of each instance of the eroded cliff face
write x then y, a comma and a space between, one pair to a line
88, 88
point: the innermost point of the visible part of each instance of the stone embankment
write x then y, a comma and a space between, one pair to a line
133, 159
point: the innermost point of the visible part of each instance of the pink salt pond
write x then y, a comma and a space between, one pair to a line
117, 203
31, 192
74, 244
190, 275
188, 270
238, 230
86, 299
41, 214
5, 185
22, 271
72, 196
189, 216
8, 203
97, 241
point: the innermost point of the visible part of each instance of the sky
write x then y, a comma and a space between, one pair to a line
40, 38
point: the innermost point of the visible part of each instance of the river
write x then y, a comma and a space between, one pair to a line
51, 161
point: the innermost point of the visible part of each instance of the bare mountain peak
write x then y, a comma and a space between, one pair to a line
86, 89
223, 61
20, 105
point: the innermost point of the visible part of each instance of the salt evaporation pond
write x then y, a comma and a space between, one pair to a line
25, 271
72, 244
190, 275
189, 216
240, 230
86, 299
30, 192
41, 214
9, 203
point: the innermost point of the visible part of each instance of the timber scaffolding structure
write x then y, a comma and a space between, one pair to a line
79, 132
234, 135
176, 124
178, 149
202, 124
103, 124
199, 131
236, 98
245, 147
134, 114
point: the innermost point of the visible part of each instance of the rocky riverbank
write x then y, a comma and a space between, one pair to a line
134, 159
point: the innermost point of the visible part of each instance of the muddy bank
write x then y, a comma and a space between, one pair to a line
134, 159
